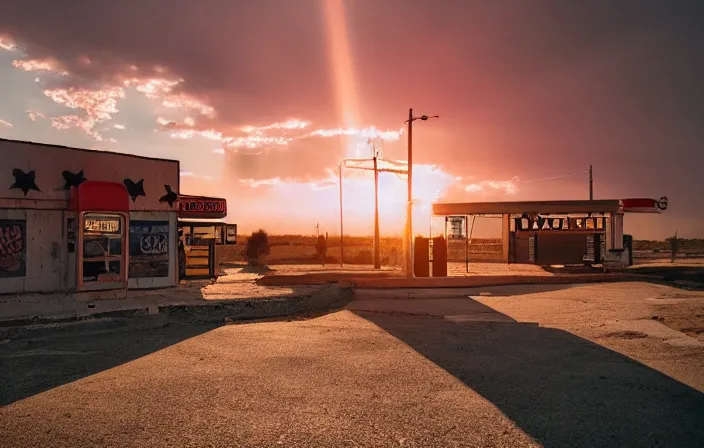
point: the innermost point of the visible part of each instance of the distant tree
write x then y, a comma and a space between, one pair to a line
674, 247
257, 247
321, 247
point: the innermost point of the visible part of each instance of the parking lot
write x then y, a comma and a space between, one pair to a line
540, 365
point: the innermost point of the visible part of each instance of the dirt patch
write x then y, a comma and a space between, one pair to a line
692, 325
626, 335
252, 269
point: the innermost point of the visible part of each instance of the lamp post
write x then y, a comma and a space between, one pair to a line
409, 208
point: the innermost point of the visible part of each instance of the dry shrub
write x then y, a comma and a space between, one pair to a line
257, 248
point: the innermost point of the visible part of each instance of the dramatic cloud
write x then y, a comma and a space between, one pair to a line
528, 88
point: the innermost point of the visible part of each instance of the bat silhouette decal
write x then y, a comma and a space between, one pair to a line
72, 180
135, 189
169, 197
24, 181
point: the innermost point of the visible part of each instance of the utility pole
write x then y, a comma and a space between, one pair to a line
317, 230
591, 184
342, 246
377, 237
409, 208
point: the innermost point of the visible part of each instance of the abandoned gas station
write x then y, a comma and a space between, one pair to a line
577, 232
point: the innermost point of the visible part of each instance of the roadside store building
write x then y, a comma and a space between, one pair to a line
84, 220
587, 232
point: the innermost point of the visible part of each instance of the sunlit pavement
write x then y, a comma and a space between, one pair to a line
439, 370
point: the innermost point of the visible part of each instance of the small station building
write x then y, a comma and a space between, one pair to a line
586, 232
83, 220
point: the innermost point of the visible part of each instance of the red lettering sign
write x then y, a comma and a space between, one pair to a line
201, 207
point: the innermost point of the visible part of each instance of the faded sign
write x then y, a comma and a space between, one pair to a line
102, 225
231, 233
149, 249
13, 248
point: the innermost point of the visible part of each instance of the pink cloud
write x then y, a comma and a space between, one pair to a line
508, 187
34, 115
163, 90
36, 65
97, 106
7, 43
6, 123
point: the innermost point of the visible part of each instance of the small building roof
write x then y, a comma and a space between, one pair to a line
546, 207
122, 154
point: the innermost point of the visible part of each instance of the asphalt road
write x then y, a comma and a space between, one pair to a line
447, 370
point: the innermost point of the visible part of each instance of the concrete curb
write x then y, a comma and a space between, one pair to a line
480, 281
323, 299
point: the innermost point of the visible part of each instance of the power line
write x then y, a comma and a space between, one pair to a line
562, 176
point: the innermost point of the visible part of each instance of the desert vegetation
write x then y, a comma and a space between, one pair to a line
257, 248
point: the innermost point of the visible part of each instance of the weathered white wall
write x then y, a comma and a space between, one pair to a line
45, 252
48, 162
172, 279
49, 267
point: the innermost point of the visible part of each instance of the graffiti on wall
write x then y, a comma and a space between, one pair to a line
149, 249
13, 249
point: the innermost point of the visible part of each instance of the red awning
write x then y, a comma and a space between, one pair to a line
644, 205
97, 196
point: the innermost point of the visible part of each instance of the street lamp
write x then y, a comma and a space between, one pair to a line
409, 209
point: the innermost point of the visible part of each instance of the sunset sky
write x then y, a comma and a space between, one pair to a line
260, 99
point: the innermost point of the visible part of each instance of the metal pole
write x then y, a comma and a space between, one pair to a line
466, 242
409, 210
591, 184
342, 247
377, 238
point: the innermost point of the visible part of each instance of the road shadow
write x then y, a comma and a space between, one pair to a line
40, 359
37, 358
562, 390
672, 273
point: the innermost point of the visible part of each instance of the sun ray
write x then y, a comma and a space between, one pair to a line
342, 69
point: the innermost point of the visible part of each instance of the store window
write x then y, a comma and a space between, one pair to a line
103, 248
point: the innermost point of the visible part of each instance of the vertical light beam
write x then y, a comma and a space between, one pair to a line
341, 61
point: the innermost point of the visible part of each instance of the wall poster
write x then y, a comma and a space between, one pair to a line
13, 248
149, 249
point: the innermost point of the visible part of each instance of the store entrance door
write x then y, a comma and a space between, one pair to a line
102, 261
196, 258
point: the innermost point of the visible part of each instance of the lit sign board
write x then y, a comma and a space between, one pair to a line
201, 207
231, 236
102, 225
